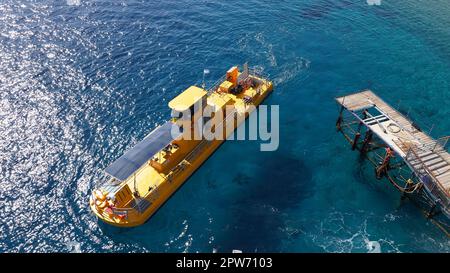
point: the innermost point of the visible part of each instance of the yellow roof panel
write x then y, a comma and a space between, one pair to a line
218, 101
186, 99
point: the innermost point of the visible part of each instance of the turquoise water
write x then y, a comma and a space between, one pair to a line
82, 81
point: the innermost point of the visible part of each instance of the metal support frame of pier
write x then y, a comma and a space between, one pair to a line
412, 161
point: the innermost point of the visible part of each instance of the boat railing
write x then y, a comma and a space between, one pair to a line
252, 72
216, 84
130, 211
133, 210
203, 144
108, 183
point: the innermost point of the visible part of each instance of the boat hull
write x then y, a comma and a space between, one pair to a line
163, 193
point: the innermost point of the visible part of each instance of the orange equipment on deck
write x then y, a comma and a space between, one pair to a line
232, 75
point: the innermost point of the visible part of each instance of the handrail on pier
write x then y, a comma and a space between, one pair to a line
436, 189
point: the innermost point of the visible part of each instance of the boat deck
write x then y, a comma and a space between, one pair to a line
422, 153
140, 185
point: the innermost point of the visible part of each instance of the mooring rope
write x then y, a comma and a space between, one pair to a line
405, 189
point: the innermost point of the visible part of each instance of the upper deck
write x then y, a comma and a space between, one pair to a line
422, 153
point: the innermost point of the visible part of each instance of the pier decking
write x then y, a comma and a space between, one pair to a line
427, 158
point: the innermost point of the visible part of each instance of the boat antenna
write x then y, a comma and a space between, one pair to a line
205, 71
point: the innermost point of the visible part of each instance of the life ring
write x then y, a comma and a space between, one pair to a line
109, 211
393, 128
102, 205
120, 217
110, 203
99, 195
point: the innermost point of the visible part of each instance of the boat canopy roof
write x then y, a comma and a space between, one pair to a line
133, 159
190, 96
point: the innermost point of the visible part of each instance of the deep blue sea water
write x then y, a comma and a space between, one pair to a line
81, 81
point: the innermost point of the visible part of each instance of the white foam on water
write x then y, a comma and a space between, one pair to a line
335, 234
373, 2
390, 217
183, 240
268, 49
373, 246
74, 247
292, 69
73, 2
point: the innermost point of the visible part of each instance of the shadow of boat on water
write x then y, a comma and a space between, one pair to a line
281, 183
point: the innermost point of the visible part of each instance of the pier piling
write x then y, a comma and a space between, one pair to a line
407, 150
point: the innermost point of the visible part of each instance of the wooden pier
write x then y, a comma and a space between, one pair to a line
414, 162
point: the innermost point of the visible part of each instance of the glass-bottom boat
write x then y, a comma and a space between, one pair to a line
139, 182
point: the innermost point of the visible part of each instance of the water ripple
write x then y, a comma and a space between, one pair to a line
81, 81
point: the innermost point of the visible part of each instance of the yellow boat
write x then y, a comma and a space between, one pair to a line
139, 182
